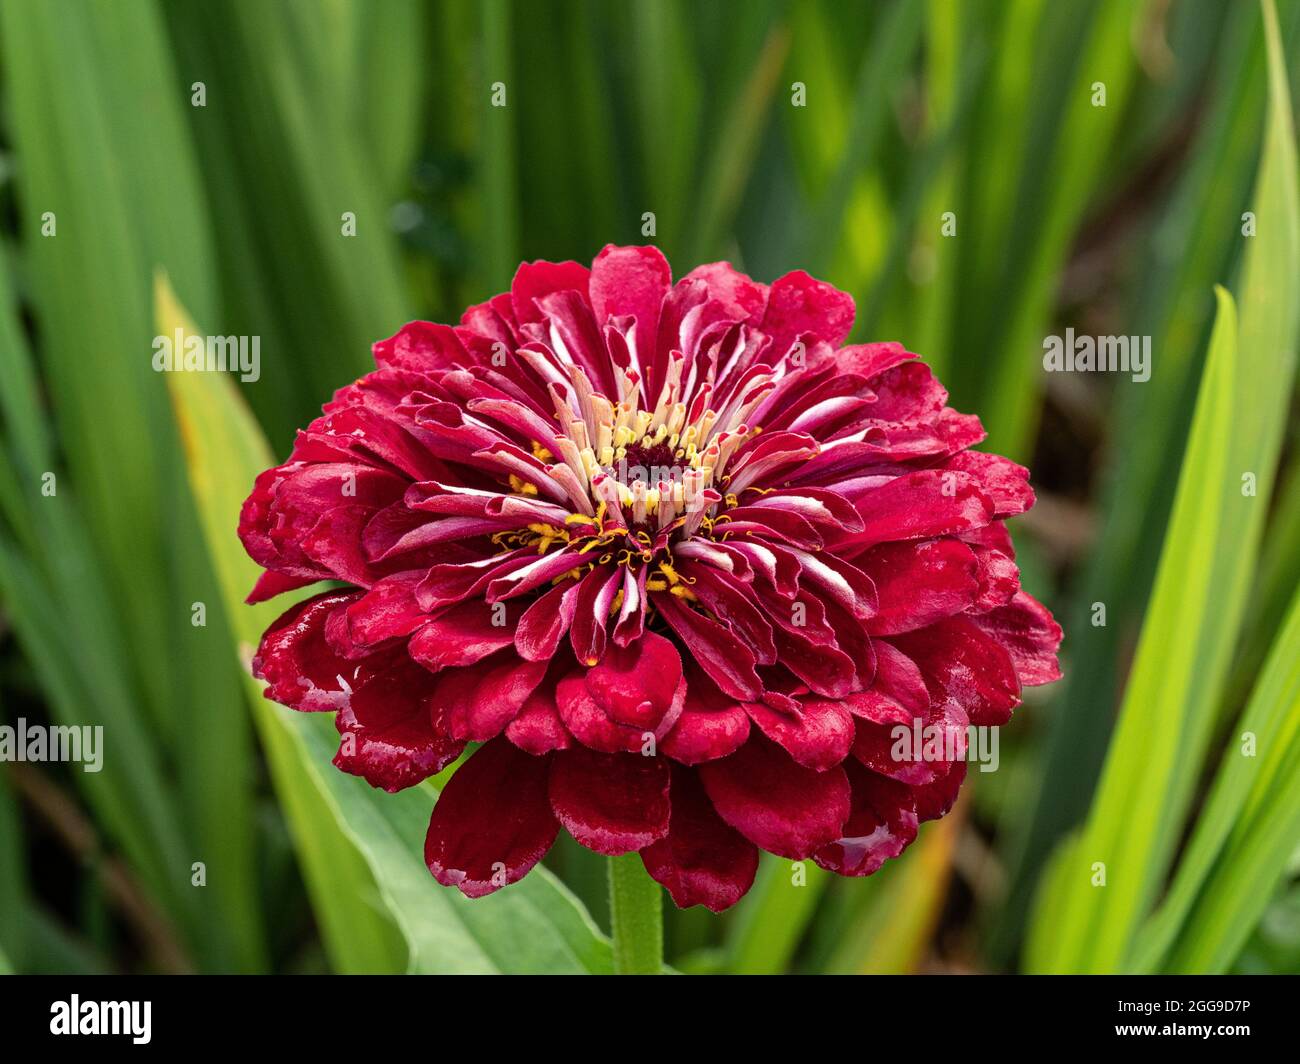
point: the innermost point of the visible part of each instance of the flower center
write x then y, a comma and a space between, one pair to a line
646, 472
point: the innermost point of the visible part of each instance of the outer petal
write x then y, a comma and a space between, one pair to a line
916, 756
819, 737
776, 803
389, 733
962, 663
479, 700
463, 635
935, 799
1005, 482
882, 825
610, 803
536, 279
711, 726
798, 303
918, 583
921, 505
743, 298
538, 728
631, 281
301, 669
702, 861
493, 821
1029, 634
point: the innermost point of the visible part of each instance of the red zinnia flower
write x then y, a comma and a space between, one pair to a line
676, 557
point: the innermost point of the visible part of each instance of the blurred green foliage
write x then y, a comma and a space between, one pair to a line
948, 162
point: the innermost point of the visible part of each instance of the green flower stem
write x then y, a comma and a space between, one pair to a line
636, 911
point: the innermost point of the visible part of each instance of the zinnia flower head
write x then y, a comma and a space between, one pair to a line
677, 558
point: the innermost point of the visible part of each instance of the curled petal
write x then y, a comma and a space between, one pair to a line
818, 736
702, 860
1029, 634
392, 735
882, 824
610, 803
962, 663
492, 822
776, 803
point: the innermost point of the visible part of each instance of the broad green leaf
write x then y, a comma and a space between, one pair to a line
1163, 728
224, 451
1265, 824
389, 71
534, 926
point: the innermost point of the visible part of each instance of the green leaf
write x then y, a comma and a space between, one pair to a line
499, 207
894, 43
1065, 152
1264, 826
1183, 260
773, 916
1203, 581
534, 926
224, 451
284, 159
108, 172
1247, 832
1177, 675
728, 171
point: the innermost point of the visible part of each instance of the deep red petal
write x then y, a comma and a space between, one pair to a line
962, 663
918, 583
702, 860
1027, 631
819, 736
610, 803
493, 821
538, 727
776, 803
882, 825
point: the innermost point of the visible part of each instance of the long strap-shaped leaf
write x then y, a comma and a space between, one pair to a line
535, 926
1210, 550
1247, 833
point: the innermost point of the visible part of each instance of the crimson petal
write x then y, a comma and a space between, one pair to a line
882, 825
702, 860
610, 803
776, 803
492, 822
